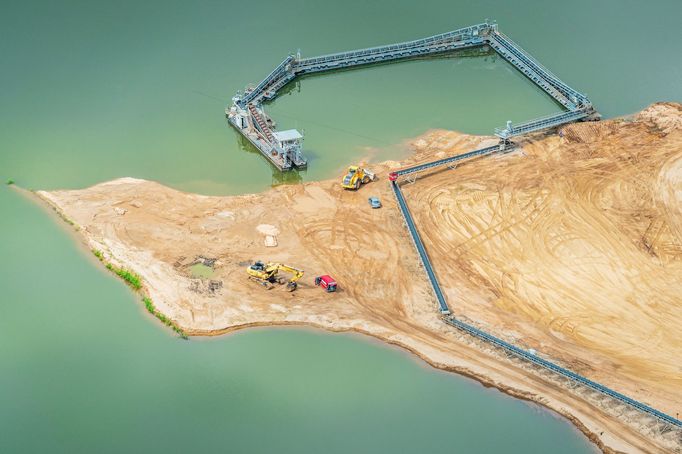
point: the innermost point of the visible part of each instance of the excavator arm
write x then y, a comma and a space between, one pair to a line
296, 274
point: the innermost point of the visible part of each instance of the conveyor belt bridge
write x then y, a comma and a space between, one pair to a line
247, 116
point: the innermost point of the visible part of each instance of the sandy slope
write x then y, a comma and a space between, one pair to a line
570, 246
574, 250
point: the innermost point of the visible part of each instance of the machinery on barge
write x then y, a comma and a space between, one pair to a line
282, 148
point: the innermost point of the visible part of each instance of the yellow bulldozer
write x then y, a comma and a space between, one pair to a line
267, 274
356, 176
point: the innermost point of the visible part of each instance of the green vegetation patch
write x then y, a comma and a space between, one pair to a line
10, 182
131, 278
149, 304
135, 281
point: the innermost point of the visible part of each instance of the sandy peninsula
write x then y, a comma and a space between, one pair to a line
571, 245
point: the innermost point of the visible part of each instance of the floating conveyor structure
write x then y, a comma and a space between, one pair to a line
247, 107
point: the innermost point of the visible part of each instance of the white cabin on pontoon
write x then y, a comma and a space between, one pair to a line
289, 138
290, 141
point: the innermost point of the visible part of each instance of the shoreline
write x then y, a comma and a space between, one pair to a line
476, 362
416, 355
426, 361
73, 230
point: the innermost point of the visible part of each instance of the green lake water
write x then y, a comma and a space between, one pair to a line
93, 90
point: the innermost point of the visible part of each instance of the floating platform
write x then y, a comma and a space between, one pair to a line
281, 148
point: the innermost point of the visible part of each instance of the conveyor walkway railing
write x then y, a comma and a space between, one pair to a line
449, 160
292, 67
397, 54
533, 358
512, 48
539, 124
421, 250
276, 74
533, 74
446, 42
424, 43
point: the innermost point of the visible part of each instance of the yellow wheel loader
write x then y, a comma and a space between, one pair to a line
357, 176
266, 274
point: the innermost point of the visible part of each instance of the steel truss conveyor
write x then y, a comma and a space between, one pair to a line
294, 66
478, 333
577, 105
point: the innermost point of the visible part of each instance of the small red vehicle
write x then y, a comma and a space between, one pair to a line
326, 282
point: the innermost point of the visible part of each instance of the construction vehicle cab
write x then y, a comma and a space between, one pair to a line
267, 274
357, 176
258, 266
326, 282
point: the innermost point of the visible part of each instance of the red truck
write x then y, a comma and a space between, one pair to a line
326, 282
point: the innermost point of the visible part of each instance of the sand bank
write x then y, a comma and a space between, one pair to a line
571, 246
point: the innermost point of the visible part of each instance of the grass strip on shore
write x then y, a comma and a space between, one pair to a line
128, 276
149, 304
135, 282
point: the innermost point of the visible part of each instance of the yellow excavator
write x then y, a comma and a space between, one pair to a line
356, 176
266, 274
